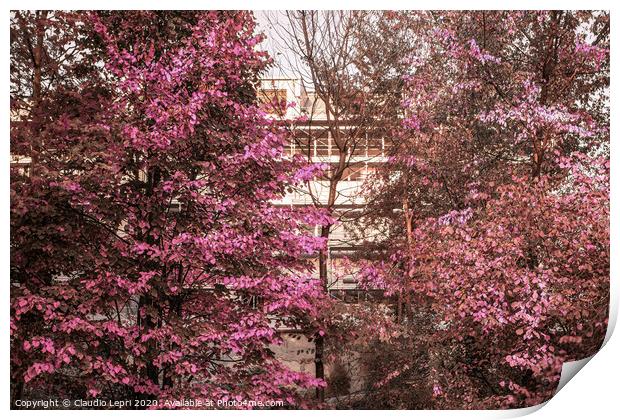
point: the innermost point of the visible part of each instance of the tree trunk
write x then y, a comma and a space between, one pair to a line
319, 340
147, 324
409, 227
319, 368
37, 63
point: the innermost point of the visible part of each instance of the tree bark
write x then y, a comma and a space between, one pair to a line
319, 340
37, 80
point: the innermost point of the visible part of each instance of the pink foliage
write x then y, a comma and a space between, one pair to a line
158, 302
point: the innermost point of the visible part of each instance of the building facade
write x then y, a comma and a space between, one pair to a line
291, 101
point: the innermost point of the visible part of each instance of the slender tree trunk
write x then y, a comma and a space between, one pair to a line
319, 368
37, 78
409, 227
176, 305
37, 55
147, 323
319, 340
147, 304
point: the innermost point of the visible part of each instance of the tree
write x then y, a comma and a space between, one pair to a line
350, 61
505, 149
178, 271
55, 135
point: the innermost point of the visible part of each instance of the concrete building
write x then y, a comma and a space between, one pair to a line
312, 138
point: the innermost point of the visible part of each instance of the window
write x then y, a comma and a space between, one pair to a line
273, 101
354, 172
322, 146
303, 145
360, 147
375, 147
